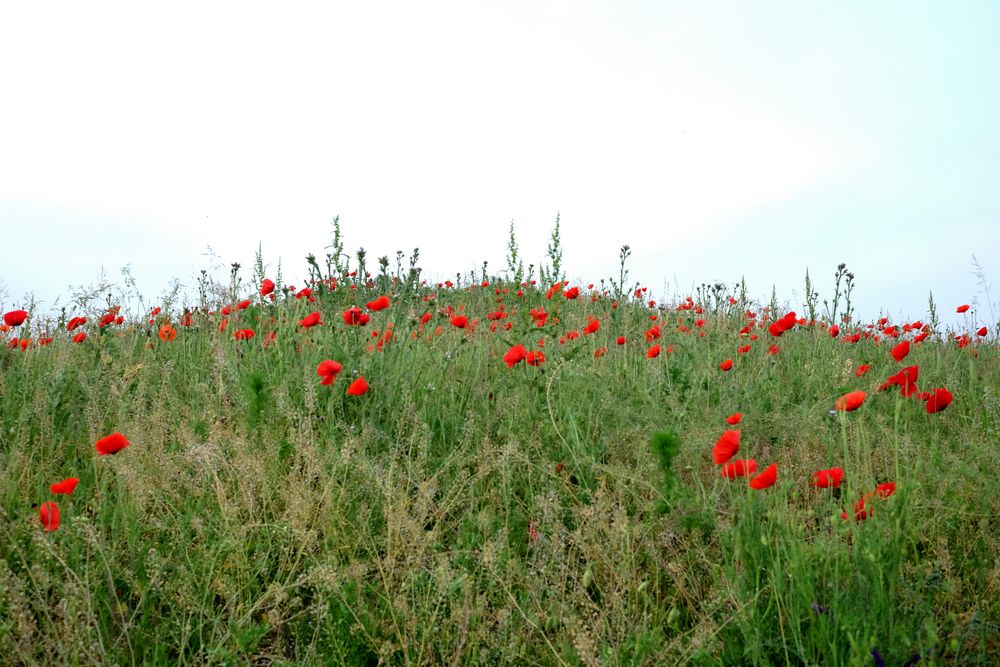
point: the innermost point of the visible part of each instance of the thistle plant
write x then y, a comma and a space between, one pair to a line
812, 299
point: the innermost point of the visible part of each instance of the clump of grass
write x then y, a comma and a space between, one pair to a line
665, 446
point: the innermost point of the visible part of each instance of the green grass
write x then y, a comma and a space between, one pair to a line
260, 518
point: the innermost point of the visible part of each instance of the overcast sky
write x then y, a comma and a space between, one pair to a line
718, 139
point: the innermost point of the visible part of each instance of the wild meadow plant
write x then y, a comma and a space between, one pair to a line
377, 470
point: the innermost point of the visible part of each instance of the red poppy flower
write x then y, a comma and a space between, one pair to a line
79, 337
593, 324
961, 309
111, 444
861, 370
66, 486
620, 340
243, 305
726, 365
459, 321
860, 513
938, 401
825, 479
653, 352
386, 337
726, 446
766, 478
266, 286
354, 317
358, 388
244, 334
900, 351
863, 508
167, 333
572, 293
310, 320
48, 514
743, 349
534, 358
885, 489
539, 316
15, 317
905, 379
834, 331
378, 304
734, 418
514, 355
75, 322
779, 327
600, 352
739, 468
982, 332
328, 370
850, 401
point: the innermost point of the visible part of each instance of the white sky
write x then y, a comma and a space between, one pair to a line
717, 140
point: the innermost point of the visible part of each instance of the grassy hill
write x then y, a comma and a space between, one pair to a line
472, 508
